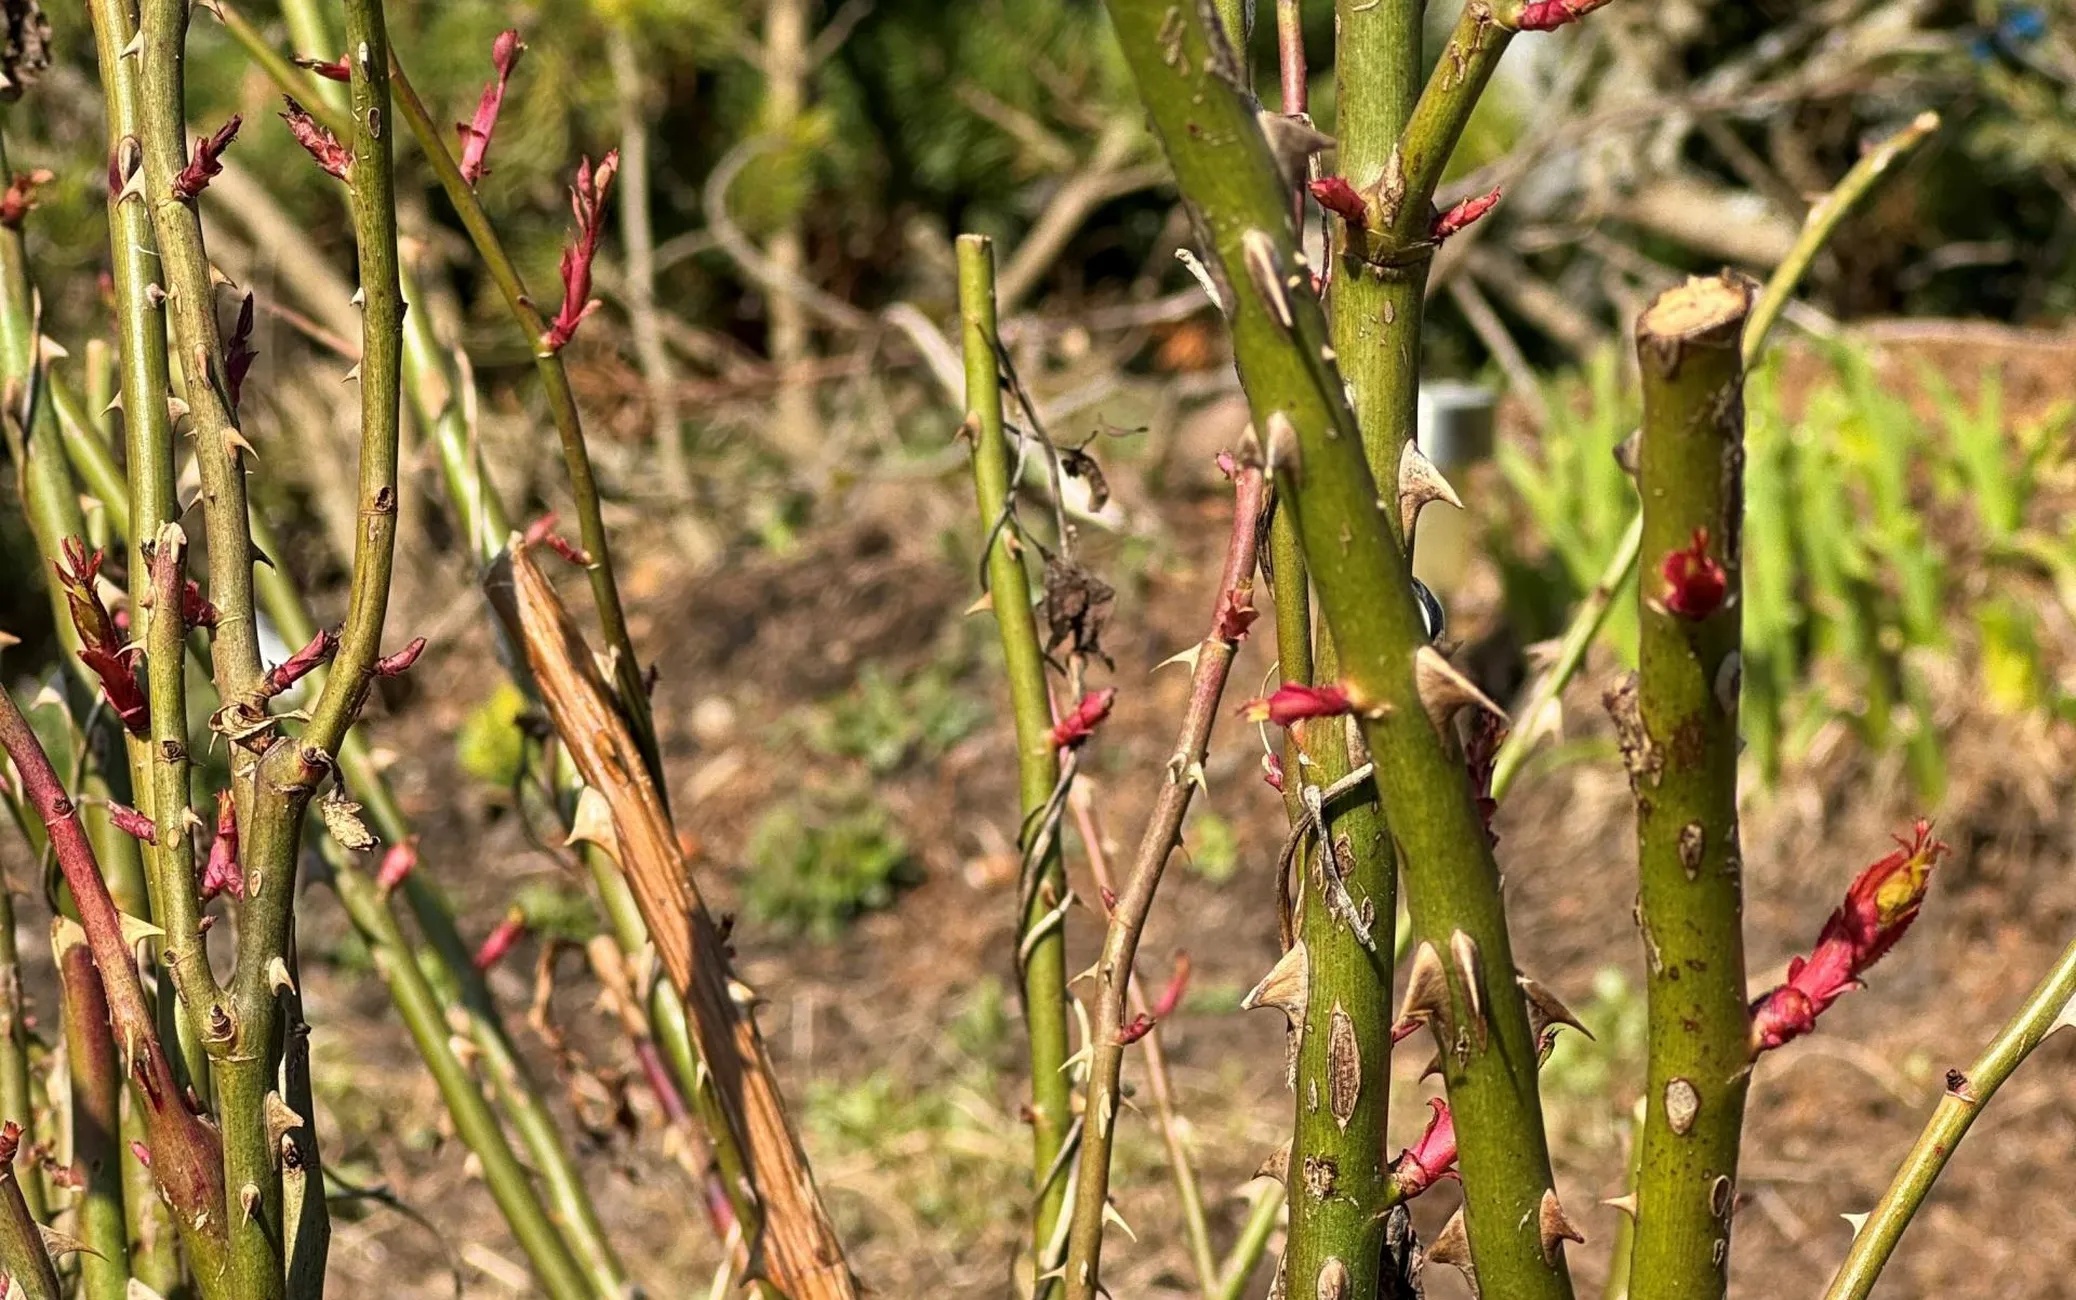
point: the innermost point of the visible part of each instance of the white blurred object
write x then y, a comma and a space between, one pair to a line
1454, 427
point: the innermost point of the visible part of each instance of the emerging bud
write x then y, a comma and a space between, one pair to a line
398, 664
221, 873
317, 139
284, 675
10, 1142
238, 355
1295, 702
501, 940
208, 160
1078, 726
1432, 1158
541, 532
475, 134
132, 823
100, 648
587, 200
400, 861
142, 1152
195, 609
1171, 996
1236, 613
1463, 214
1487, 733
20, 198
335, 70
1549, 15
1879, 906
1272, 771
1337, 196
1694, 583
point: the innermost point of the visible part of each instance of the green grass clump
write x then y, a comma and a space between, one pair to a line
815, 869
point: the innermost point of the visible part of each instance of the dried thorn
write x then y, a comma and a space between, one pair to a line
1427, 989
1286, 987
1265, 269
249, 1199
1110, 1215
278, 978
1546, 1010
1419, 482
1188, 658
1444, 691
60, 1244
985, 605
1282, 454
1276, 1166
136, 929
1554, 1227
1451, 1246
1854, 1221
282, 1119
1626, 1203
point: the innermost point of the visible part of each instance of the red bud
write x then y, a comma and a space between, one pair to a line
221, 873
541, 532
1432, 1158
1171, 996
137, 1149
1236, 613
1694, 583
335, 70
400, 663
587, 200
20, 198
132, 823
475, 134
1294, 702
208, 159
1337, 196
10, 1141
501, 940
1272, 771
238, 355
299, 665
400, 861
1879, 906
1079, 725
1549, 15
317, 139
1461, 215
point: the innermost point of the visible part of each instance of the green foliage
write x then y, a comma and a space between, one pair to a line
1214, 848
815, 866
885, 722
555, 911
490, 745
1849, 587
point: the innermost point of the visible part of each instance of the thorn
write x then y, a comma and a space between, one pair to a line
115, 404
59, 1244
1427, 988
359, 298
353, 375
1546, 1010
235, 441
278, 978
1554, 1227
1282, 451
1080, 1058
1265, 269
1110, 1215
1626, 1203
1628, 453
1276, 1166
1195, 266
592, 822
249, 1199
281, 1119
1188, 658
1286, 987
1470, 967
2067, 1018
1419, 482
136, 929
1855, 1222
1444, 691
1451, 1246
135, 47
984, 605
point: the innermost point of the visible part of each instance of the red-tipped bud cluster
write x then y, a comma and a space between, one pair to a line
1089, 714
20, 196
1463, 214
1236, 613
100, 649
475, 134
284, 675
221, 873
1272, 772
1431, 1159
1337, 196
587, 200
1549, 15
132, 823
1879, 906
332, 70
400, 861
541, 532
316, 138
1694, 583
501, 940
1295, 702
238, 355
10, 1141
398, 664
207, 161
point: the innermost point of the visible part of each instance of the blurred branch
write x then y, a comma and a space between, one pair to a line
638, 233
1104, 177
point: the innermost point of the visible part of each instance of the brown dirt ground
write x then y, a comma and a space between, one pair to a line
934, 1212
